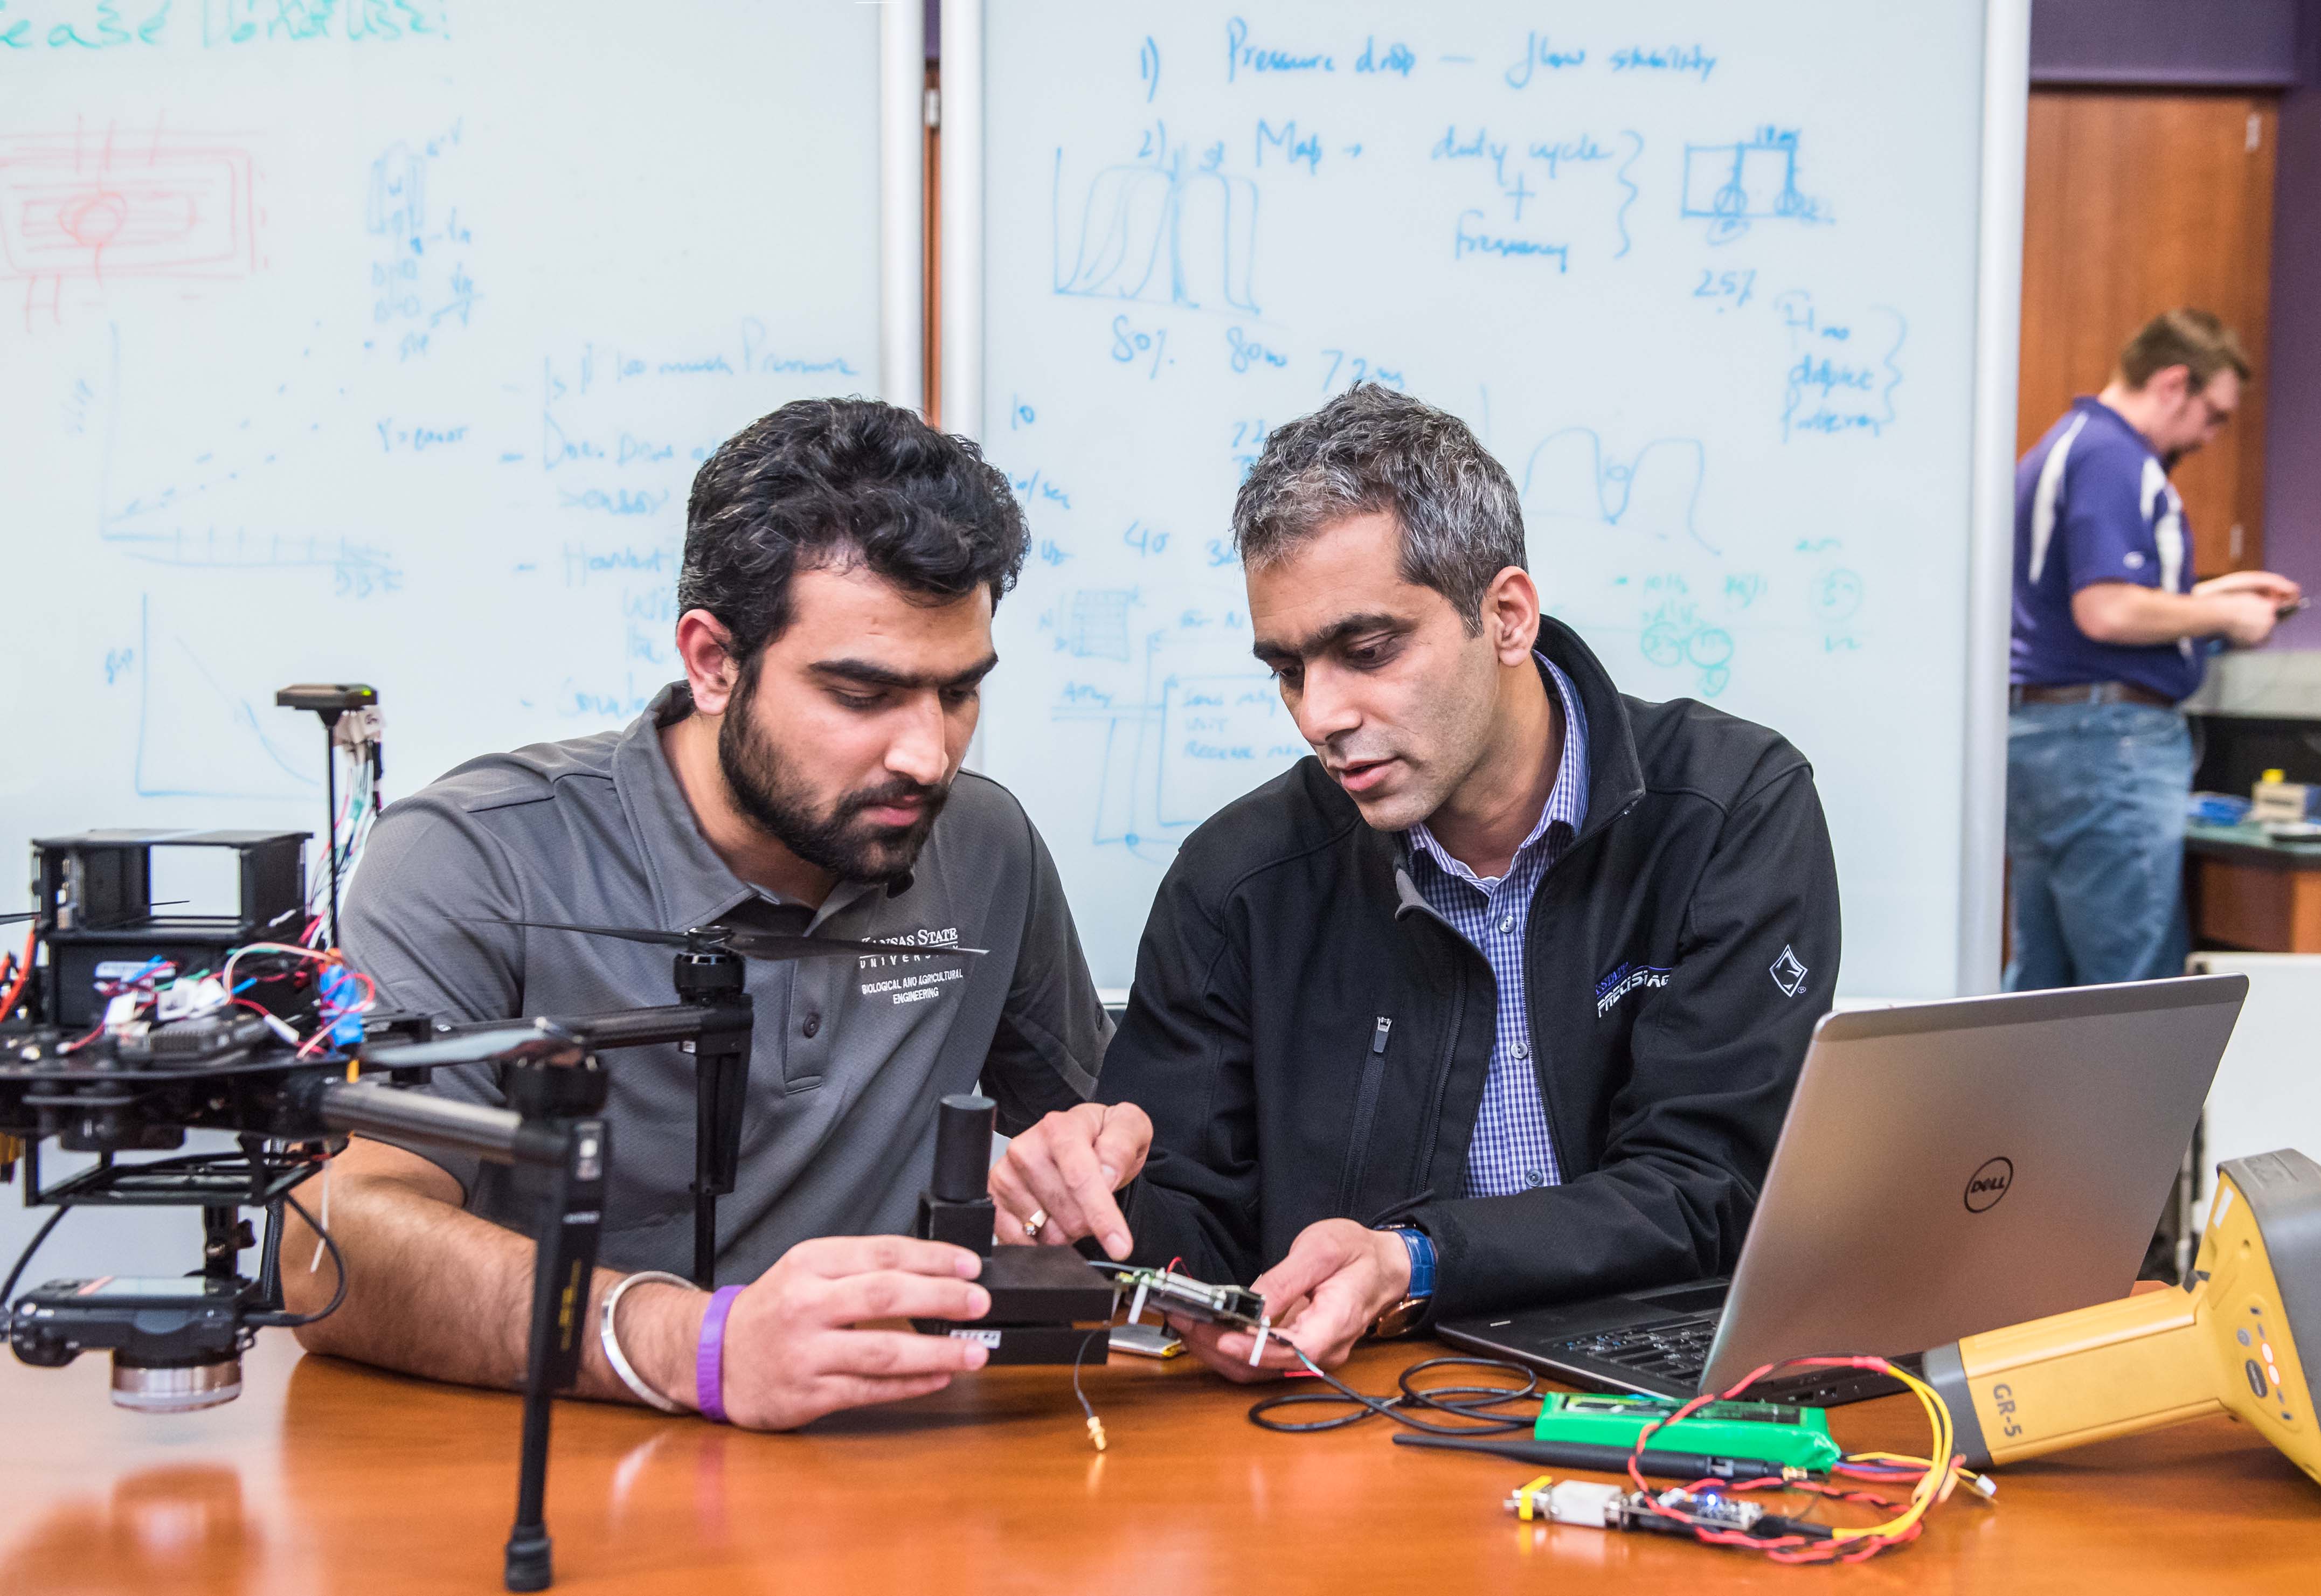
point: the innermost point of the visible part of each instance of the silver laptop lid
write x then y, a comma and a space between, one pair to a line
1950, 1168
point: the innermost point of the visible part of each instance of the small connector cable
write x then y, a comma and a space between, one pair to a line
1095, 1425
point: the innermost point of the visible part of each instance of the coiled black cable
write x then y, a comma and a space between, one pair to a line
1410, 1399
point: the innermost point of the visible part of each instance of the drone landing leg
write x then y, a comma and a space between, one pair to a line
706, 1084
565, 1264
711, 981
720, 1080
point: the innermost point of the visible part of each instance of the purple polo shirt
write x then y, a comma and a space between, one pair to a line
2093, 503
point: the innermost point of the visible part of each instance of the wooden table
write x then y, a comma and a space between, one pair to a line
2246, 890
325, 1476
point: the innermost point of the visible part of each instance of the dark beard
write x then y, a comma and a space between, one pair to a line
839, 842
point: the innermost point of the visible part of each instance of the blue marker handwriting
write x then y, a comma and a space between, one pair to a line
110, 24
1731, 289
1834, 384
585, 562
624, 501
1470, 240
1558, 152
1749, 180
392, 436
1396, 59
1246, 352
1130, 343
1541, 55
1299, 149
1655, 489
1243, 57
1144, 540
1454, 145
1687, 59
1168, 227
1039, 489
1358, 368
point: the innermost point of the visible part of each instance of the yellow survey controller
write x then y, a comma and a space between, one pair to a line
2228, 1344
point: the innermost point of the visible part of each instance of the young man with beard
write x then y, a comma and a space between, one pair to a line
841, 563
1498, 999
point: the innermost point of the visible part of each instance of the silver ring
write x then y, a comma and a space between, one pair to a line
1035, 1224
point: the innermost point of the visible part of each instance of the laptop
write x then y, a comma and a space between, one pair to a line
1945, 1168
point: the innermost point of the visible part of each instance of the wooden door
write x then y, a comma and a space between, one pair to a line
2134, 203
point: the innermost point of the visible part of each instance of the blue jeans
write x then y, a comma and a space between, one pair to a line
2095, 833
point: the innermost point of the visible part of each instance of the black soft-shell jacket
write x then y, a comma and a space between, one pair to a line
1311, 1040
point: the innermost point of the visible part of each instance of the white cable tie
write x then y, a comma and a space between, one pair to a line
1136, 1307
1257, 1350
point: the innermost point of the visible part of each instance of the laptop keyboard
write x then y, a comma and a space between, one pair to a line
1674, 1350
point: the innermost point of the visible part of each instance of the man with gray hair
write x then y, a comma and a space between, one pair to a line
1498, 999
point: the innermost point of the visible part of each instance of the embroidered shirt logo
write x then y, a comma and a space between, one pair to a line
921, 986
1788, 972
1625, 979
904, 944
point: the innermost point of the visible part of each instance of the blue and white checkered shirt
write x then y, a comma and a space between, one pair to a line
1512, 1150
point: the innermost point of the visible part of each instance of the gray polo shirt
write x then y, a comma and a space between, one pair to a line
838, 1135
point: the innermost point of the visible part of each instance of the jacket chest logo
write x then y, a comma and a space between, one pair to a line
1625, 979
1788, 972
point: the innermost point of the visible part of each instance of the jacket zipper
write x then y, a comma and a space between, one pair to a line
1422, 1160
1365, 1111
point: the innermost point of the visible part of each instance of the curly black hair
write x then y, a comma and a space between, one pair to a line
823, 482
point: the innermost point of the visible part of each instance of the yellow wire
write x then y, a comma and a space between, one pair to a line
1983, 1483
1934, 1484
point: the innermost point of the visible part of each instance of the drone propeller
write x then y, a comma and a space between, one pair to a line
35, 915
764, 945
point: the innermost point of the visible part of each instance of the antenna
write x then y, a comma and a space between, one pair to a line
331, 701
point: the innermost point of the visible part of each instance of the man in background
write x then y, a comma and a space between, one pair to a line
2111, 634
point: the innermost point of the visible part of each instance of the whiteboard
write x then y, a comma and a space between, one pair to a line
379, 342
1728, 288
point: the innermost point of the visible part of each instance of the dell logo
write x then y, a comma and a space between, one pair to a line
1989, 1185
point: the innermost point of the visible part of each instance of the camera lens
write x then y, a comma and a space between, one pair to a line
173, 1385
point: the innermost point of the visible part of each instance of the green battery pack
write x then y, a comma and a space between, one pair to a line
1773, 1431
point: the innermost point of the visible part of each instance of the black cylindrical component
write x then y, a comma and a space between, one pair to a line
963, 1127
491, 1134
706, 974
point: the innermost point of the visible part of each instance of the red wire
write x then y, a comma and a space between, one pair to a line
1793, 1549
24, 973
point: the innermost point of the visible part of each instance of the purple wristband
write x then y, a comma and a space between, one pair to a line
709, 1358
